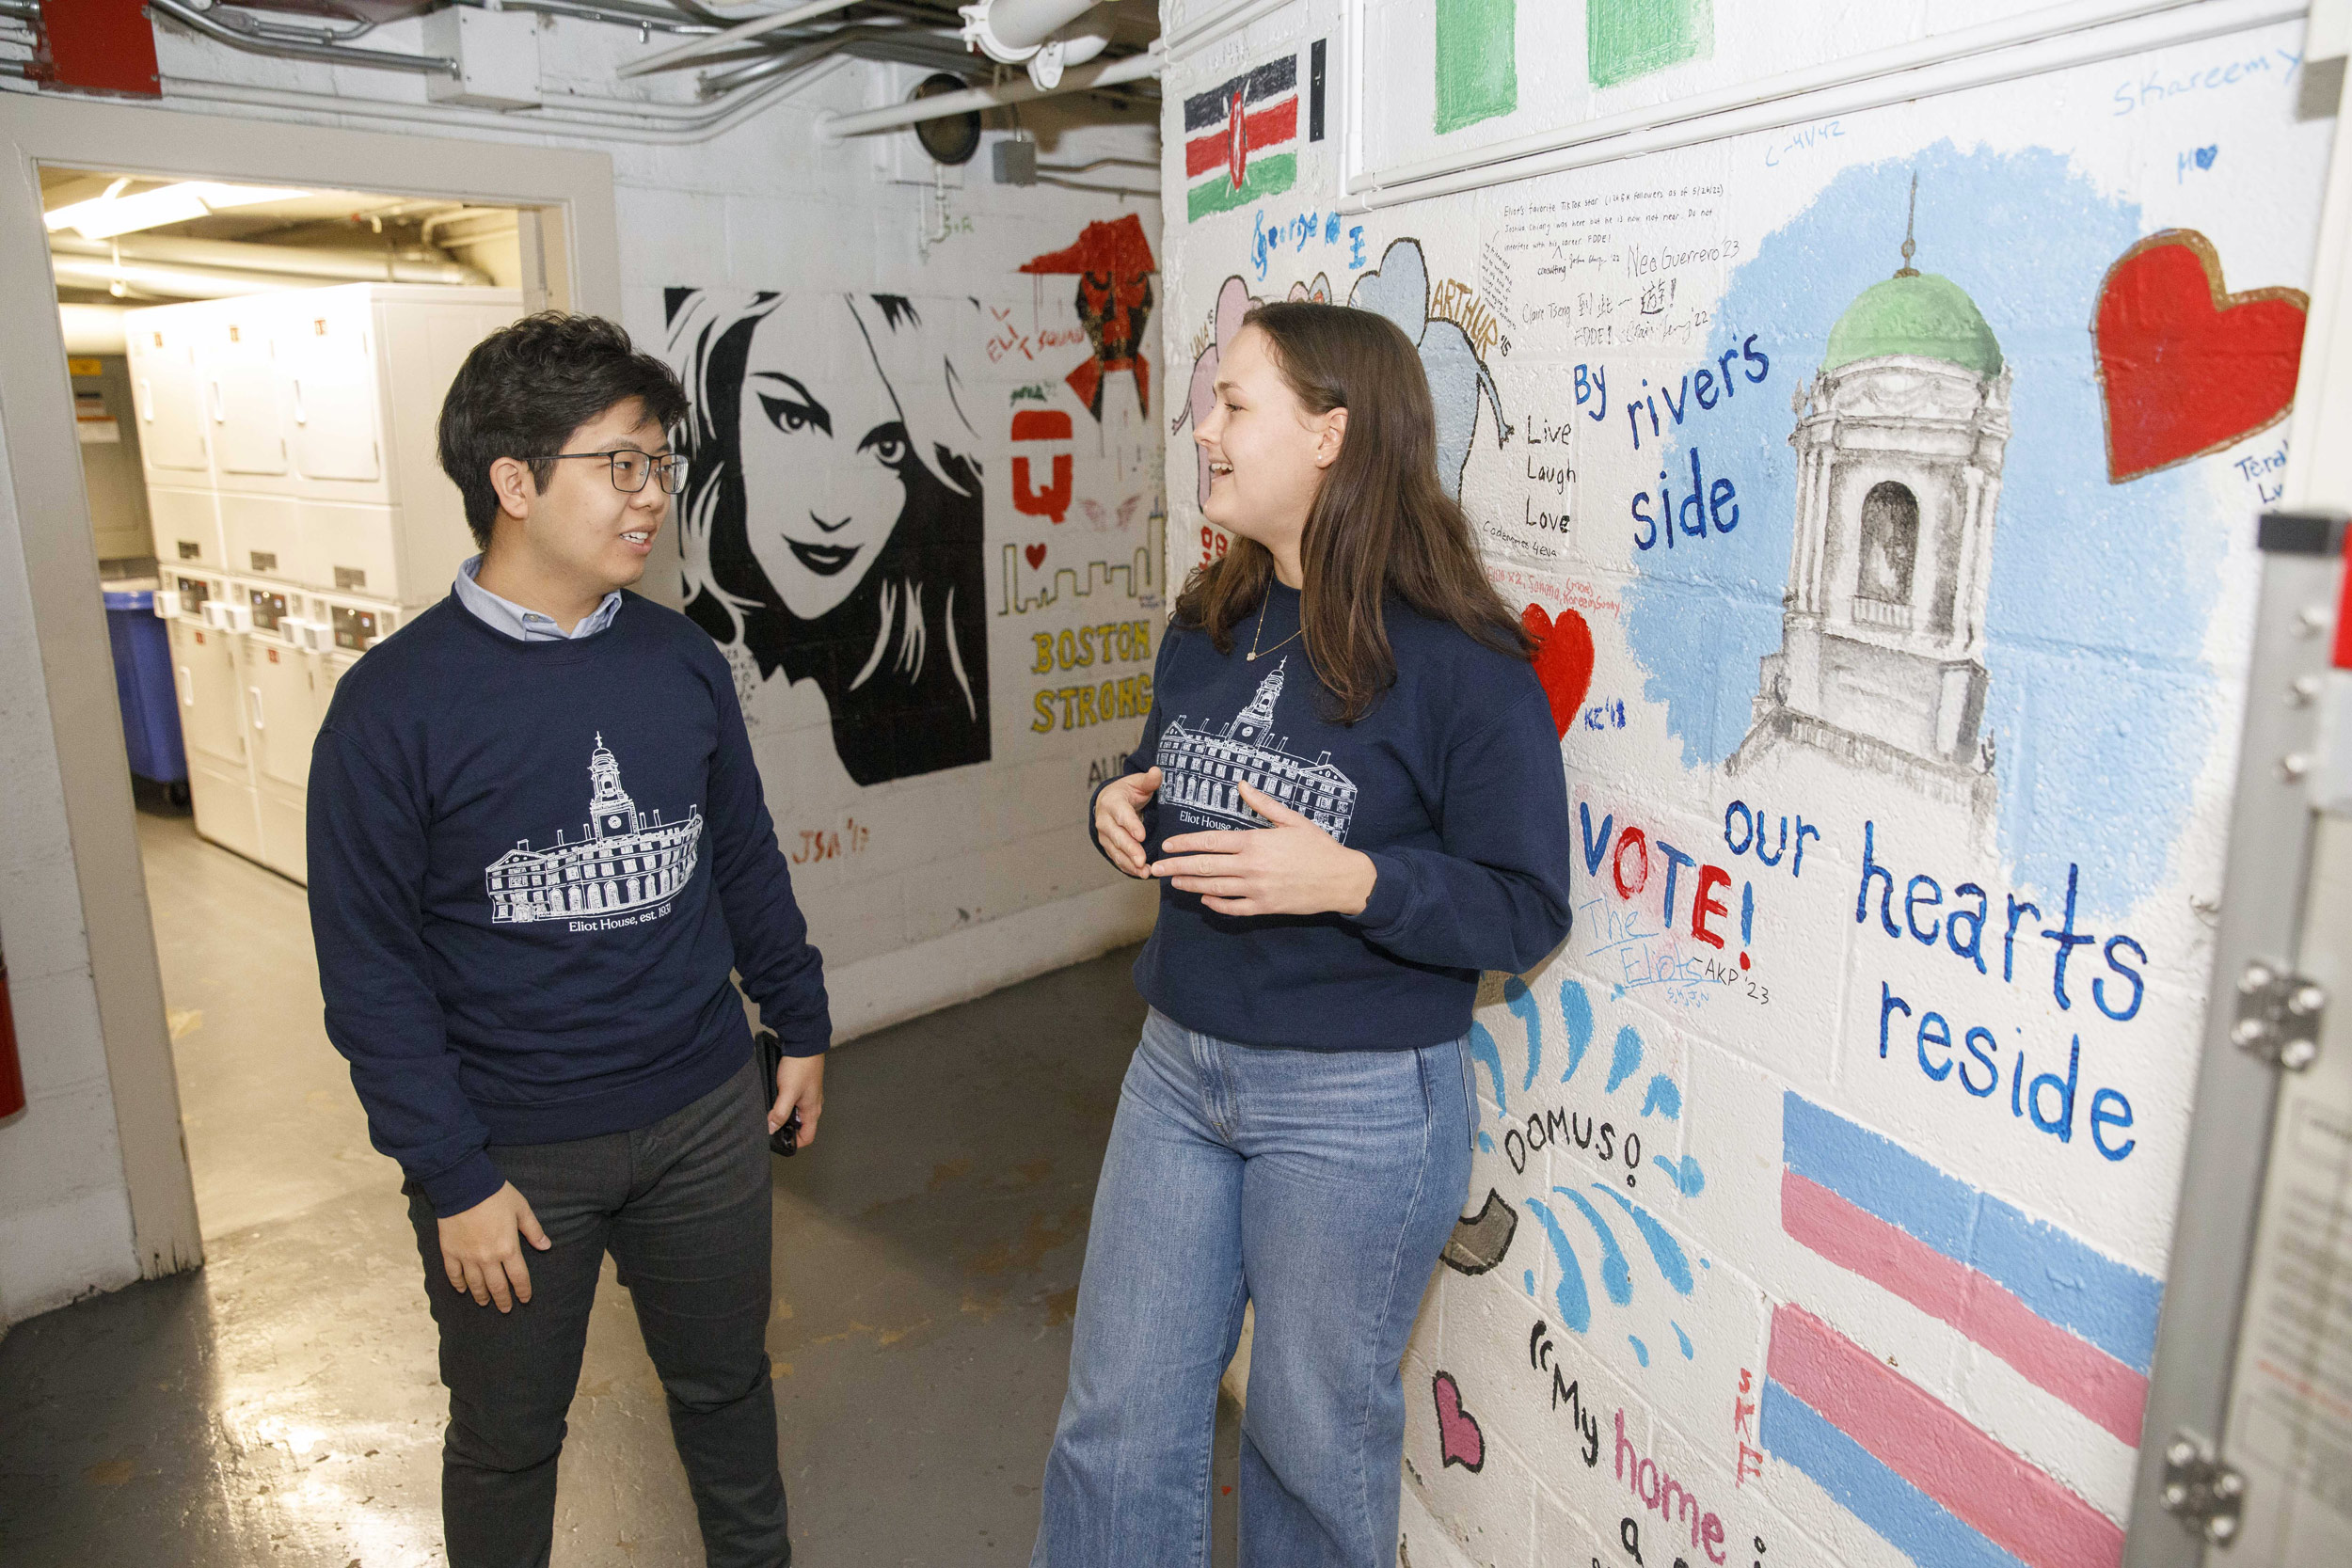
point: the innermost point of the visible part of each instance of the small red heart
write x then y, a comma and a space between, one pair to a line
1459, 1441
1037, 556
2186, 368
1563, 660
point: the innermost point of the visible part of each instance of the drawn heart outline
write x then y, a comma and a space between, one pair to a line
1563, 660
2205, 155
1036, 554
2185, 367
1459, 1441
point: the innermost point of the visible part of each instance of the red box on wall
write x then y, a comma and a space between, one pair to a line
100, 46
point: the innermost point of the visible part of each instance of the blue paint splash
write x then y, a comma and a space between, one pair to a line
2099, 595
1626, 1059
1523, 1006
1486, 1143
1576, 1307
1575, 1011
1668, 1253
1530, 1278
1616, 1277
1683, 1337
1482, 1048
1641, 1351
1665, 1099
1684, 1173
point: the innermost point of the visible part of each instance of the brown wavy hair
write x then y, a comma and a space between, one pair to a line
1381, 523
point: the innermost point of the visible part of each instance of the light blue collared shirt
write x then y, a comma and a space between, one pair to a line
525, 625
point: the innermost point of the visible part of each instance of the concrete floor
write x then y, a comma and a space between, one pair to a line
282, 1404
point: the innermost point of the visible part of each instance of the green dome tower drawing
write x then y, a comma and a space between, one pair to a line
1899, 440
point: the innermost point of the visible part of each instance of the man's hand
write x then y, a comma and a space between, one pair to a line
478, 1248
799, 1083
1292, 867
1119, 820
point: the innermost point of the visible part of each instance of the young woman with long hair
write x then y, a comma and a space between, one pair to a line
832, 521
1350, 791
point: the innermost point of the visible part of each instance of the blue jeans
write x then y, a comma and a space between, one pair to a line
1319, 1185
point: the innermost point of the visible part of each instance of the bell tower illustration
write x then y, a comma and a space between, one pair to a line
1252, 722
611, 812
1900, 441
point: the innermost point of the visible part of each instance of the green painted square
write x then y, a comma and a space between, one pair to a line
1478, 66
1628, 38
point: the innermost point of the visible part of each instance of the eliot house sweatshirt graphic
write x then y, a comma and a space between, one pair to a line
487, 992
624, 860
1452, 784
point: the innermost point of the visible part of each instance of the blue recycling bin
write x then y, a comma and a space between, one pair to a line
150, 708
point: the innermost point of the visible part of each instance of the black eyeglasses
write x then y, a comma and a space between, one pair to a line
631, 469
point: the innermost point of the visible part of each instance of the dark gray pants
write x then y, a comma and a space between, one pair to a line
683, 1207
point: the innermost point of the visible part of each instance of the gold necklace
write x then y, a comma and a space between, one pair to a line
1264, 605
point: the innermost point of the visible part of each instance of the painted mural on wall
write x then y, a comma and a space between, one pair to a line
926, 532
1879, 493
834, 515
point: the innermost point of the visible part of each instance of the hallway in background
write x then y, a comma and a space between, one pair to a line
282, 1404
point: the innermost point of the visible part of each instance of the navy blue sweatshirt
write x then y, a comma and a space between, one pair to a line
531, 867
1452, 784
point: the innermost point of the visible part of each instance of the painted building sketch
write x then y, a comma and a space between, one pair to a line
1900, 441
625, 858
1876, 490
833, 521
1204, 769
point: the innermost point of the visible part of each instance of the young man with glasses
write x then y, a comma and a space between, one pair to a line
538, 845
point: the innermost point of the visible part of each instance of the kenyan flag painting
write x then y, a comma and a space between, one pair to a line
1241, 139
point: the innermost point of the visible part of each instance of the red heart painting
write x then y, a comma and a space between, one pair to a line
1563, 660
2186, 368
1037, 556
1459, 1441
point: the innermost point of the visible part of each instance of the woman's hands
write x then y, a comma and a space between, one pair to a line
1119, 820
1292, 867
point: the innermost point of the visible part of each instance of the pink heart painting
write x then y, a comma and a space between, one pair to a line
1037, 556
1459, 1441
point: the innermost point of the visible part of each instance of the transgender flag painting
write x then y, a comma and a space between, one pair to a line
2073, 1322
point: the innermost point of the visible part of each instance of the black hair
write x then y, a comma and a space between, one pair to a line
527, 386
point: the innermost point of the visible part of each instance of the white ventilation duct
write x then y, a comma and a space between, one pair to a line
1047, 36
234, 256
92, 328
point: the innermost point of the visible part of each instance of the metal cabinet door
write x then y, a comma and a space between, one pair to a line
281, 708
204, 670
330, 368
242, 384
171, 409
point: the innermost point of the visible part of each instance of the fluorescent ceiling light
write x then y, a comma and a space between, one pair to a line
106, 216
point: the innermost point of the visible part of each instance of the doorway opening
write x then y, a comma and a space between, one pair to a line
257, 374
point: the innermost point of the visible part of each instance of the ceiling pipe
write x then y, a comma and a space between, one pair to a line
357, 266
1134, 68
171, 282
1046, 35
330, 53
581, 117
756, 27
